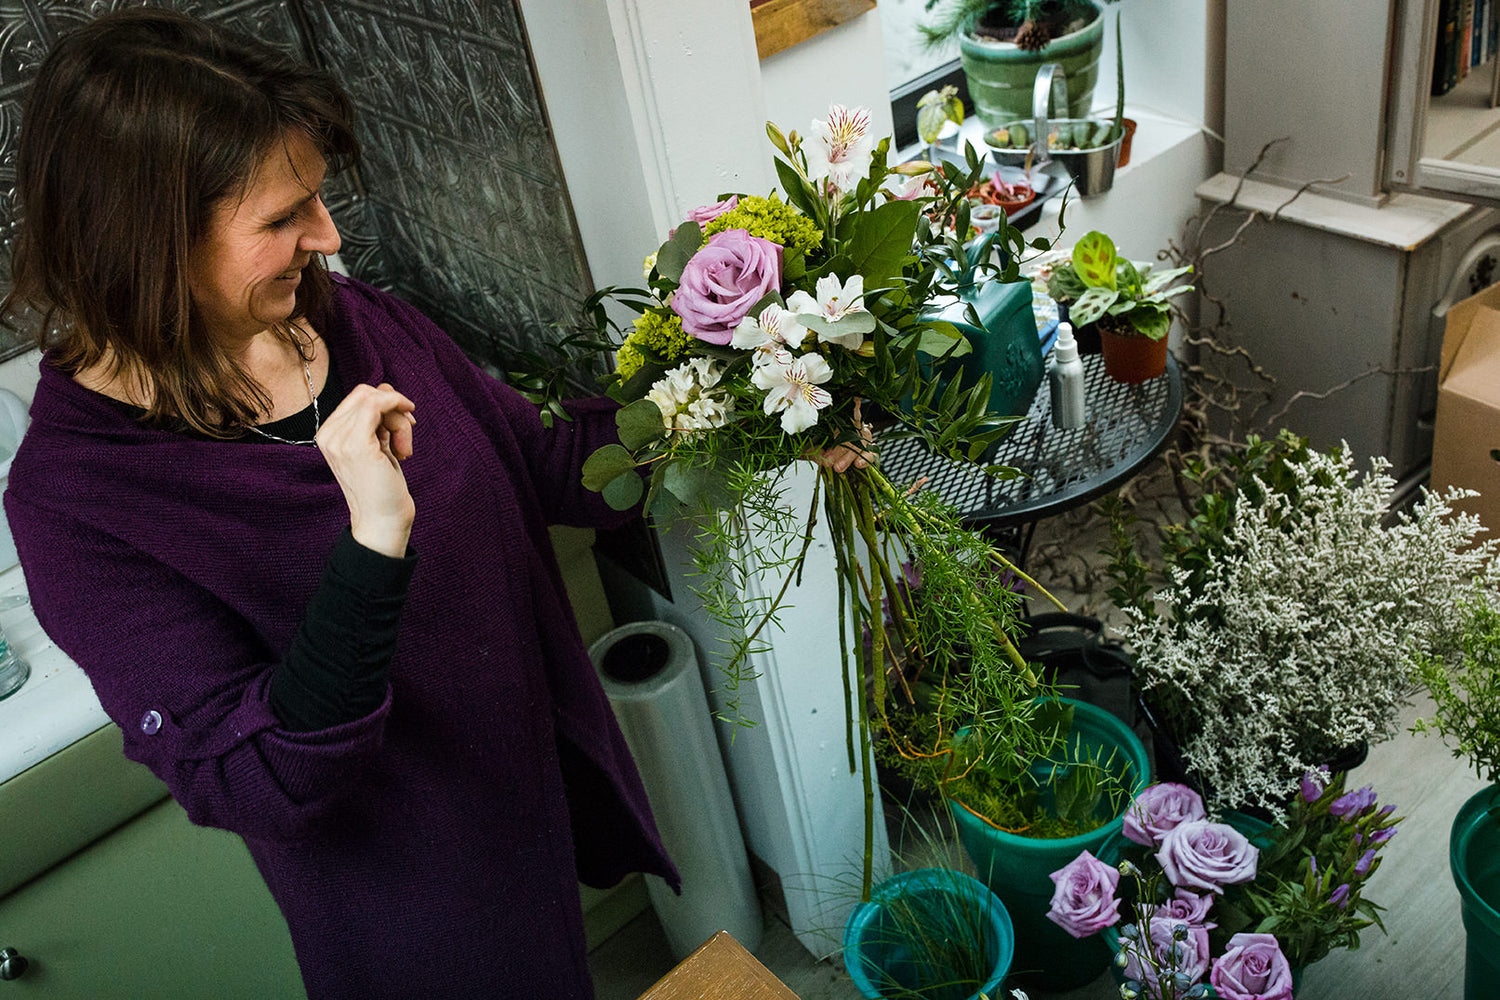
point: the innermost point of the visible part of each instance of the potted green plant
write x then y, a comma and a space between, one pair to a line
1003, 42
1127, 299
1021, 818
1287, 614
1465, 688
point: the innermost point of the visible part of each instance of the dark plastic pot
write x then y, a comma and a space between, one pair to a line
1474, 856
1018, 868
881, 952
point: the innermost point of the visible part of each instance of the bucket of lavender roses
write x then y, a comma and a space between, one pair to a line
1234, 909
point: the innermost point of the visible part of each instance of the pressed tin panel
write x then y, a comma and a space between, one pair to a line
459, 206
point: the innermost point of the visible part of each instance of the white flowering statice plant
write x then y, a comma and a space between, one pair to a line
1290, 627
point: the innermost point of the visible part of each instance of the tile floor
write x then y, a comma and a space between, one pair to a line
1422, 956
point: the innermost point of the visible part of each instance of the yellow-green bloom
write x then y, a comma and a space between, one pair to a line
770, 219
660, 333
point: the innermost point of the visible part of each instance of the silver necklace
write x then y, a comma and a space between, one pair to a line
317, 416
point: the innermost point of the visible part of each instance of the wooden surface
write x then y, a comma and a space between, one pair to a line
780, 24
722, 970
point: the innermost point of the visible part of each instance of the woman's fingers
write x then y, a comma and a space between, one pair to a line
363, 441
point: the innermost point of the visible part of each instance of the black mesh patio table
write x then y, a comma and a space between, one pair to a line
1127, 426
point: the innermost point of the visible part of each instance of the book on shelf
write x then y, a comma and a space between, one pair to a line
1445, 55
1465, 36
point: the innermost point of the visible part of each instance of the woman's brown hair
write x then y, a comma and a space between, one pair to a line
137, 126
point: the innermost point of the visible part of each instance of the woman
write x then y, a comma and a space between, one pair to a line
219, 508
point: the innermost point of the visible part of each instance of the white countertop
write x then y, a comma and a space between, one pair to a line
56, 706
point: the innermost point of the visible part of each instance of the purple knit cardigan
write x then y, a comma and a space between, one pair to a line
429, 849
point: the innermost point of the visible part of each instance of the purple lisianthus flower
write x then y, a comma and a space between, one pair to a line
1381, 836
1365, 860
1209, 856
1351, 804
1340, 896
1084, 902
726, 277
1187, 953
1158, 809
1189, 908
1313, 783
1252, 968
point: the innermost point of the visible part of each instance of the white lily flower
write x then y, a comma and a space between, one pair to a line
840, 148
773, 329
793, 388
835, 301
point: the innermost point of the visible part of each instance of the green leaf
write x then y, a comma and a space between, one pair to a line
695, 485
624, 491
796, 190
677, 251
1065, 284
881, 240
1091, 305
942, 339
1156, 281
1094, 259
600, 468
640, 423
1151, 321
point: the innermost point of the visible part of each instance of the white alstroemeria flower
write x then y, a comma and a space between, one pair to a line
683, 396
767, 333
835, 301
839, 149
792, 388
903, 189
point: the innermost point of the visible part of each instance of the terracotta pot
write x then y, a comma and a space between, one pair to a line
1012, 207
1129, 126
1133, 358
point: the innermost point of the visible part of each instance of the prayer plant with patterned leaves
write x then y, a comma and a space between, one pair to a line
769, 328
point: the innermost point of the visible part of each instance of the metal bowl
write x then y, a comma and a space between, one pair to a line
1092, 169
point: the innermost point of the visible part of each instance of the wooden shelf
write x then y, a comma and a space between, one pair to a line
780, 24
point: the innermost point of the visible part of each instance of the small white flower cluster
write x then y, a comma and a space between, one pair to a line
684, 398
1303, 631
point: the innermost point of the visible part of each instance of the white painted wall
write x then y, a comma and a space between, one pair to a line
844, 65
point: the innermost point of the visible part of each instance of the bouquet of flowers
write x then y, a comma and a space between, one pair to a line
1237, 903
769, 328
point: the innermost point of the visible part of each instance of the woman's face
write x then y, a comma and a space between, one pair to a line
244, 274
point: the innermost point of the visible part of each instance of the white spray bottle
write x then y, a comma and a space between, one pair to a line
1066, 378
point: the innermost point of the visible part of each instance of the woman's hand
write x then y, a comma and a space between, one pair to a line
845, 456
363, 441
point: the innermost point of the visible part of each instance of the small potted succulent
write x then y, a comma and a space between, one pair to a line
1465, 688
1012, 196
1127, 299
1003, 42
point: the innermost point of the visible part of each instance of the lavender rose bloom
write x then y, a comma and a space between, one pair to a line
1084, 901
723, 280
1158, 809
1189, 908
1191, 951
1252, 968
1208, 856
704, 214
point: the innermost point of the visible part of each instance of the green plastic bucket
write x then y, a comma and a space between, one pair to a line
1018, 869
1001, 74
883, 956
1474, 856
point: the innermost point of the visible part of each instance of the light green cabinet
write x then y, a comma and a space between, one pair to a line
157, 908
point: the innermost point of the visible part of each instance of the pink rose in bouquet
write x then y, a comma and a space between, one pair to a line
1252, 968
723, 281
1084, 901
1208, 856
1158, 809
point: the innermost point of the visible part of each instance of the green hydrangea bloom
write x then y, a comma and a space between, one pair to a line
770, 219
661, 334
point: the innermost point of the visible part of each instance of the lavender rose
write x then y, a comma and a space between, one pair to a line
1158, 809
1208, 856
1084, 901
726, 277
1252, 968
1189, 908
704, 214
1184, 951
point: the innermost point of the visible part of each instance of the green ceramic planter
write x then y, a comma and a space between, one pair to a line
1474, 856
1018, 869
1001, 74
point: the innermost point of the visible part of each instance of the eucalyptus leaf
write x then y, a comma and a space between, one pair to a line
624, 491
600, 468
640, 423
677, 251
695, 485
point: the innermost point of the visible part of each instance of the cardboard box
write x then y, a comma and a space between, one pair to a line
1466, 444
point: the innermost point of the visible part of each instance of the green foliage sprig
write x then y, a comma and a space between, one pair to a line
1465, 688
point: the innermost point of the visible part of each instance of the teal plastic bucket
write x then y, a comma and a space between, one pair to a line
953, 912
1018, 869
1474, 856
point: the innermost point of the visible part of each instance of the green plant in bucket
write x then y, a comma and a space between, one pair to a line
1465, 688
